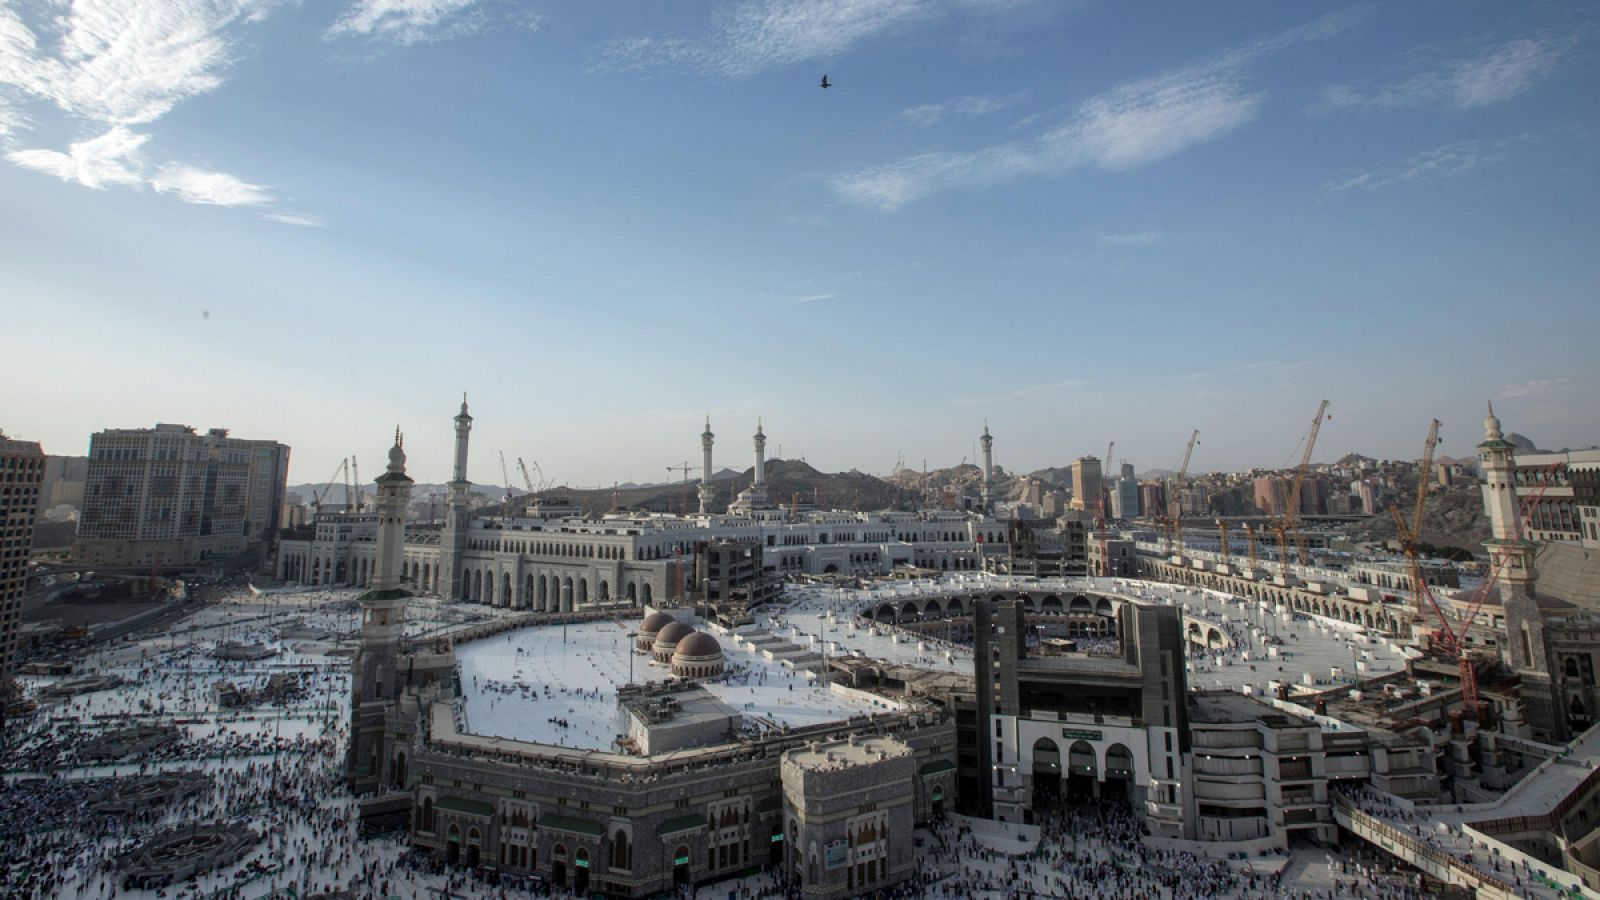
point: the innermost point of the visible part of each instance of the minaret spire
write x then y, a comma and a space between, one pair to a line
706, 490
986, 491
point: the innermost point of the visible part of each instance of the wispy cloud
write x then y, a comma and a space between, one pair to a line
1490, 75
407, 22
193, 185
110, 160
123, 63
1263, 366
929, 114
1129, 126
1537, 387
294, 219
1027, 390
1133, 238
1447, 161
751, 36
812, 298
108, 67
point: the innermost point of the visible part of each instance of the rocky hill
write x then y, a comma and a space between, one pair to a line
787, 481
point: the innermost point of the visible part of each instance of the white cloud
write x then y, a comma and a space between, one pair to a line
294, 219
1537, 387
1447, 161
1026, 390
930, 114
813, 298
754, 35
104, 66
193, 185
1254, 367
1134, 238
110, 160
407, 22
119, 62
1129, 126
1492, 75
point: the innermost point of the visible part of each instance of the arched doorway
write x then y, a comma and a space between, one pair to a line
680, 865
474, 848
580, 872
1119, 771
1082, 782
558, 865
775, 844
1046, 774
936, 798
452, 845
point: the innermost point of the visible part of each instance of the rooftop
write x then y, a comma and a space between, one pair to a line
558, 685
837, 754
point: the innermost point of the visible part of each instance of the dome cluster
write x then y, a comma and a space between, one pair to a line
690, 653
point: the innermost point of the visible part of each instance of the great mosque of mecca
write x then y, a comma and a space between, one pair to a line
612, 733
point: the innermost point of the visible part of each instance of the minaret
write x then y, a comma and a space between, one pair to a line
454, 541
1512, 556
761, 458
376, 678
706, 490
986, 498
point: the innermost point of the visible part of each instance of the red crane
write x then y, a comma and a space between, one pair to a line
1452, 637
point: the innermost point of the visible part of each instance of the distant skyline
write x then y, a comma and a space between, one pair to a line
1083, 221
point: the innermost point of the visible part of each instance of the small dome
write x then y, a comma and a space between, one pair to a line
672, 633
698, 645
654, 622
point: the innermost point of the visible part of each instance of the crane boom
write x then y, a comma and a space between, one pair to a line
526, 478
1291, 514
355, 476
1175, 502
320, 497
1425, 478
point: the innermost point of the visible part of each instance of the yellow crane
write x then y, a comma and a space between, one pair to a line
1293, 507
1222, 533
1411, 534
1175, 502
1250, 536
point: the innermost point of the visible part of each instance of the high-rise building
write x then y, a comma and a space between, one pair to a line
171, 496
1153, 498
63, 482
21, 470
1088, 485
1271, 495
1125, 497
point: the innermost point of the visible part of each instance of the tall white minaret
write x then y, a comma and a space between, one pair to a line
986, 497
706, 490
376, 678
1512, 556
454, 541
761, 458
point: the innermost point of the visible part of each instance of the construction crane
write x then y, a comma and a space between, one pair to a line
1411, 533
1222, 538
318, 498
1250, 537
1452, 637
1293, 507
1175, 502
686, 468
505, 476
543, 482
1105, 555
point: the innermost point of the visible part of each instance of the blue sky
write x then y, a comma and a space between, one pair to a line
1083, 221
